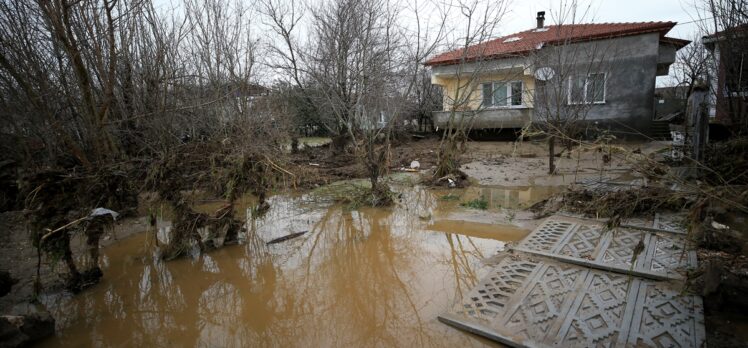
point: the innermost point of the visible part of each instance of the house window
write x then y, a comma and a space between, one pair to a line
502, 94
589, 89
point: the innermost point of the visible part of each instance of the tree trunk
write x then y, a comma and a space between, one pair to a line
339, 142
294, 145
551, 154
380, 193
93, 235
67, 256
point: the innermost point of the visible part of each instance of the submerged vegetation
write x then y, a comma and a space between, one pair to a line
478, 203
450, 197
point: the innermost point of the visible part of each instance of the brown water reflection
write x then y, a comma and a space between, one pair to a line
372, 277
511, 197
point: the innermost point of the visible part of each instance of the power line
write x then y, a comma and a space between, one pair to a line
694, 21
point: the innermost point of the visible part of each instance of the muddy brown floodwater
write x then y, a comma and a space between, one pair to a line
367, 277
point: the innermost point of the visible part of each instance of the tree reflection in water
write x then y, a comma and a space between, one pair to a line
369, 277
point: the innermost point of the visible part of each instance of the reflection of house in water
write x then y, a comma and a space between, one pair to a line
515, 197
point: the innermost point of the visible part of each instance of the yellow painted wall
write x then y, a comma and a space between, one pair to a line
471, 98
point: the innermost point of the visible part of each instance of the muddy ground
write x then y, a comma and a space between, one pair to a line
509, 176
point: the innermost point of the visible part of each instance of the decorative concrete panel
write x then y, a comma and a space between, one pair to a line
629, 250
491, 295
556, 304
663, 317
583, 242
620, 251
547, 236
670, 222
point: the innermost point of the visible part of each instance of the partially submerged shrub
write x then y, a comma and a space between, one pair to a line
478, 203
353, 194
58, 204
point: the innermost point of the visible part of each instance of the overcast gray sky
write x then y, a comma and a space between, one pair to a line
522, 13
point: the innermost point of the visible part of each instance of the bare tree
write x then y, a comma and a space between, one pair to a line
478, 22
691, 65
361, 66
63, 56
571, 78
89, 85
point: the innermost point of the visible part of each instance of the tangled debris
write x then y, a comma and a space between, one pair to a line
58, 205
619, 204
353, 194
457, 179
723, 274
727, 162
227, 172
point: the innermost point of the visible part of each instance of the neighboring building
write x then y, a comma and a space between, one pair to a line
670, 102
503, 73
728, 74
245, 94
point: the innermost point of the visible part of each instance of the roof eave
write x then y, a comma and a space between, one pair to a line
482, 58
678, 43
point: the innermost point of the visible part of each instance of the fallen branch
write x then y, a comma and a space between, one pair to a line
285, 238
51, 232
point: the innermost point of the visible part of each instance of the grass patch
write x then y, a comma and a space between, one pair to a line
314, 141
404, 179
478, 203
352, 194
341, 190
449, 197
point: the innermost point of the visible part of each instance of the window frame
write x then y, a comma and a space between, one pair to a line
587, 81
494, 88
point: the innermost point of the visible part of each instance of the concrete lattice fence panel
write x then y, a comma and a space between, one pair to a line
572, 283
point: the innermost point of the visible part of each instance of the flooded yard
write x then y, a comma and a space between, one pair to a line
367, 277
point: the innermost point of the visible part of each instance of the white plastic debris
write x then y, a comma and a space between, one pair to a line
104, 211
679, 139
452, 183
415, 165
679, 142
720, 226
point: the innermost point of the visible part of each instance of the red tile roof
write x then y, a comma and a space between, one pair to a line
531, 39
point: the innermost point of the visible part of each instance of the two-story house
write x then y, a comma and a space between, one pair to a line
609, 68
